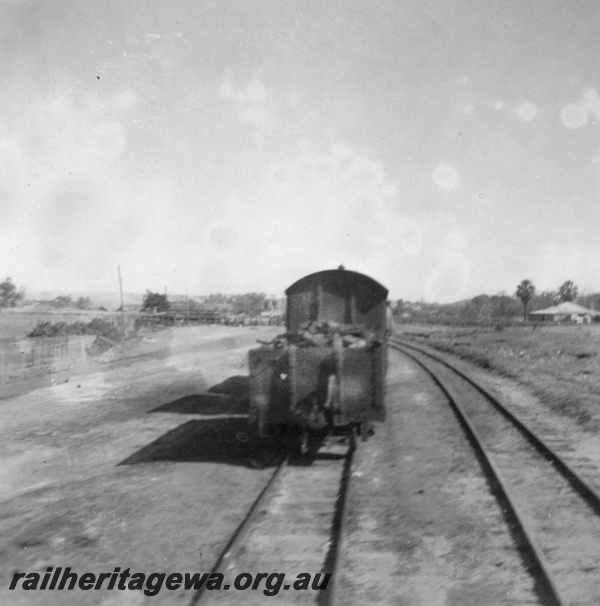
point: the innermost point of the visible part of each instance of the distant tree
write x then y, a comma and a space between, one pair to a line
83, 303
544, 299
592, 301
525, 292
250, 303
154, 300
479, 308
503, 306
9, 296
218, 298
399, 308
567, 291
62, 301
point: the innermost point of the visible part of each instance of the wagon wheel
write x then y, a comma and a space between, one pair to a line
306, 444
300, 446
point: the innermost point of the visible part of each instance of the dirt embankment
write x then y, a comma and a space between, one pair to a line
36, 362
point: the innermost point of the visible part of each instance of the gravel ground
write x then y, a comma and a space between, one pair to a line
136, 465
130, 466
557, 364
563, 525
424, 529
569, 438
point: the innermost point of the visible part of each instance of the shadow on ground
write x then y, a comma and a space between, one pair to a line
224, 440
230, 397
228, 439
204, 404
237, 386
203, 441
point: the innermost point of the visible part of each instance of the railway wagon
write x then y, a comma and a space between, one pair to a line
327, 373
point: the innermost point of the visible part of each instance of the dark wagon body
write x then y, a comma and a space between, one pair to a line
328, 371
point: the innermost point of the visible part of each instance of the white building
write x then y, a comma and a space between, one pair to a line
565, 312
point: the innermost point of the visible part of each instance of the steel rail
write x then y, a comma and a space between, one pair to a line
329, 597
532, 552
581, 486
338, 531
229, 553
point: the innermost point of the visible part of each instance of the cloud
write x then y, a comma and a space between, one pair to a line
555, 263
64, 141
255, 92
526, 111
13, 172
449, 279
591, 101
254, 115
446, 177
68, 211
250, 101
125, 99
456, 240
314, 211
576, 115
226, 90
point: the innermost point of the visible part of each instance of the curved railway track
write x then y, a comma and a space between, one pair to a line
552, 511
295, 525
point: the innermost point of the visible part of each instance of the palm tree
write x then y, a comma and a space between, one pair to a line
525, 292
567, 291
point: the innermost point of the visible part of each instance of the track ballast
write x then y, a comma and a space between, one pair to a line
551, 510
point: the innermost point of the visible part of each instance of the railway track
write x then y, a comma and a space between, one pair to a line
552, 511
296, 525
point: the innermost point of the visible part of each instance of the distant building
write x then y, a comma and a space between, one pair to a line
273, 304
273, 310
565, 312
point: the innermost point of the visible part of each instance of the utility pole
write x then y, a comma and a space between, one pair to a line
122, 304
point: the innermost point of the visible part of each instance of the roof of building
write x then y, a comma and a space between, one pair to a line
565, 308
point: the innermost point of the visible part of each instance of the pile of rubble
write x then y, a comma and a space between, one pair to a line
325, 334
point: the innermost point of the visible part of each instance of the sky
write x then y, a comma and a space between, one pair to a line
446, 149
